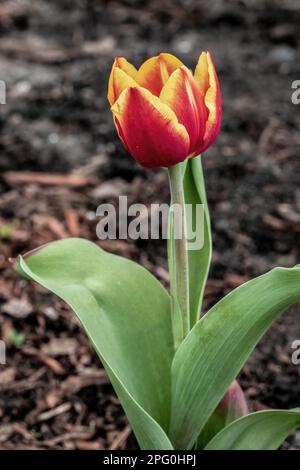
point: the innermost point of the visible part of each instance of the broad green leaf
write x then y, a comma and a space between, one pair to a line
264, 430
199, 259
126, 314
218, 346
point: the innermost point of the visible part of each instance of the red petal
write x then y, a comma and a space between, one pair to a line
121, 77
154, 73
208, 84
182, 95
149, 129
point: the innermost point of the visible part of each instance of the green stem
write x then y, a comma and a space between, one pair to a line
178, 258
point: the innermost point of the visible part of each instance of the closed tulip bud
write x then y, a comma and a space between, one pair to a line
163, 113
232, 406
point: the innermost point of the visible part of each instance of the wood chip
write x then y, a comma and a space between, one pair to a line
6, 431
57, 228
54, 412
121, 438
52, 363
274, 222
89, 445
72, 222
27, 177
17, 308
7, 376
81, 434
60, 347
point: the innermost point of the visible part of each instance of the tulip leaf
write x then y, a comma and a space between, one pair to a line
218, 346
199, 259
263, 430
126, 314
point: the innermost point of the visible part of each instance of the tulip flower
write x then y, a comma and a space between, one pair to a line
163, 113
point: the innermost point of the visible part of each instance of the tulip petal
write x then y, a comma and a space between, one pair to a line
208, 84
154, 73
182, 95
149, 129
121, 77
123, 64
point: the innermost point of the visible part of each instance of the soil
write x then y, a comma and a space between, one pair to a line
55, 59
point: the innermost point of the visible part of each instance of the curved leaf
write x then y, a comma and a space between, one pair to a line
126, 314
217, 347
264, 430
199, 259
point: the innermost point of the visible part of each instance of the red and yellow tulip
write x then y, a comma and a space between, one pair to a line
163, 113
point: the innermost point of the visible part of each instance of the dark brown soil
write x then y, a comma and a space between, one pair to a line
55, 58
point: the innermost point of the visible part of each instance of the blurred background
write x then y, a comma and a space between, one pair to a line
60, 158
